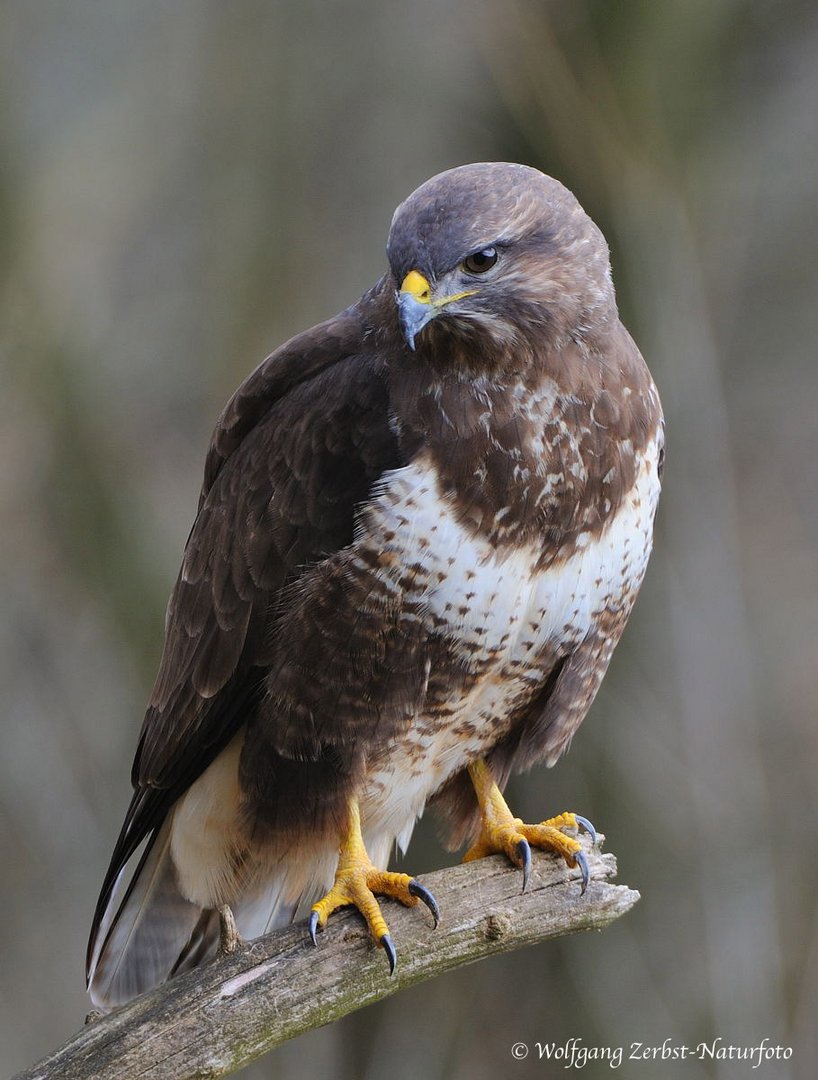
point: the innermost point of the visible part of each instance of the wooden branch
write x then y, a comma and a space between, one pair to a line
214, 1020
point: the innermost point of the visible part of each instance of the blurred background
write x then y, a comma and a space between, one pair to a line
185, 185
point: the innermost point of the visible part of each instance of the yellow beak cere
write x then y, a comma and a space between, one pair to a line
416, 285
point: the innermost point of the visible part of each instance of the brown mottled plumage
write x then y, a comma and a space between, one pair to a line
403, 560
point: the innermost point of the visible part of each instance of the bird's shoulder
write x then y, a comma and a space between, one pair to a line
288, 373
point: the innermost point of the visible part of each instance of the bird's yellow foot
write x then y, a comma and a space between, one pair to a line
357, 881
503, 833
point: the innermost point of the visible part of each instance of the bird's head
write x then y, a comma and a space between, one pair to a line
499, 257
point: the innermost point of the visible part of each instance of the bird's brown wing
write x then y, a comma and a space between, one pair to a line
296, 449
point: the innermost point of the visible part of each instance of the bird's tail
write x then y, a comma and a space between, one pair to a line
149, 932
145, 930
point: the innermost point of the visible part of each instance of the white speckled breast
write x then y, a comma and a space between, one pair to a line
499, 609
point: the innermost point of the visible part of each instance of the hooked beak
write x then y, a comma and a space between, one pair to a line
416, 306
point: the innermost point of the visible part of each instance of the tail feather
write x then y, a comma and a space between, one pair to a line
202, 945
262, 911
146, 927
150, 932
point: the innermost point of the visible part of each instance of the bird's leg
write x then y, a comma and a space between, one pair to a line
357, 881
502, 833
229, 937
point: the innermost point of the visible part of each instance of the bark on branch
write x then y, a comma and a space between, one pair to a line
219, 1018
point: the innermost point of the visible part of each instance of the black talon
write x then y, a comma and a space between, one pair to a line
587, 826
524, 852
389, 949
313, 926
422, 893
582, 863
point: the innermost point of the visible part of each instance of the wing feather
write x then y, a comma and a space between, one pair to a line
296, 449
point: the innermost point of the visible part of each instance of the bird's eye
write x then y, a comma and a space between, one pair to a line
480, 261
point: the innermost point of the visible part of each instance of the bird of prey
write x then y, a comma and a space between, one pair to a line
422, 528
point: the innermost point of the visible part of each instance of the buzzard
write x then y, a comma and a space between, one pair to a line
422, 528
